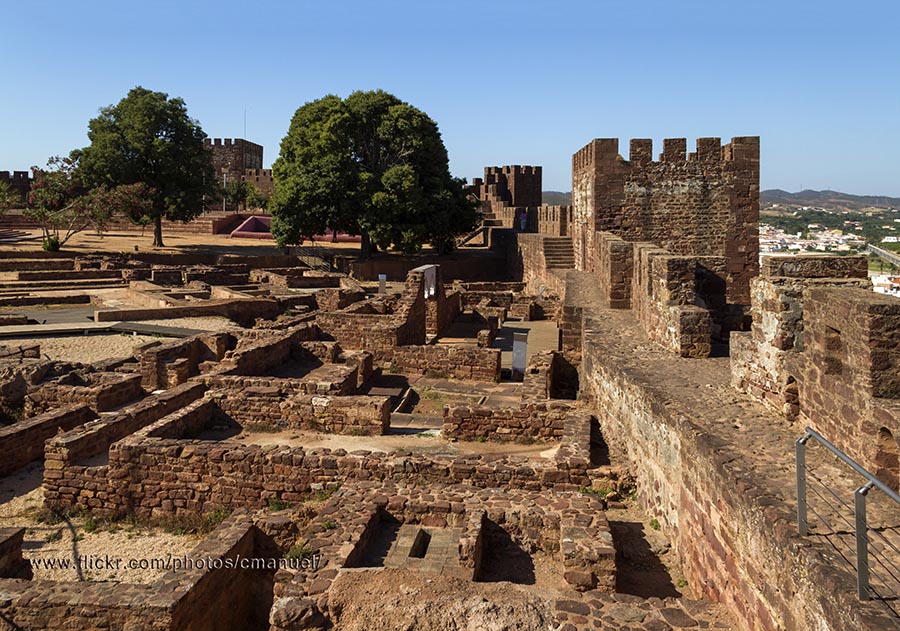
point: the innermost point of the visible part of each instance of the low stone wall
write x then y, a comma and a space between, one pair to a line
537, 383
220, 595
550, 521
530, 421
64, 476
101, 391
445, 360
23, 442
158, 477
284, 409
157, 371
244, 311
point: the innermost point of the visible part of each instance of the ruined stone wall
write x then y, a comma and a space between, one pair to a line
23, 442
448, 361
700, 204
664, 300
530, 421
214, 597
276, 408
153, 477
100, 391
155, 362
849, 375
760, 357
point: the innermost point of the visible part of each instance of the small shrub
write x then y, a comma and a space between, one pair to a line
592, 491
329, 524
681, 583
89, 524
276, 504
51, 244
654, 523
299, 551
324, 494
56, 535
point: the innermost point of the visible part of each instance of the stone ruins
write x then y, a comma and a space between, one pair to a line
371, 451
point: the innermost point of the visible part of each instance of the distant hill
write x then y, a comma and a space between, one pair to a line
827, 199
556, 198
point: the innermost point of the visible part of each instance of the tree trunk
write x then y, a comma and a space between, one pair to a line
157, 232
365, 246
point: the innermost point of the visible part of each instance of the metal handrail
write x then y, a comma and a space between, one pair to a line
861, 526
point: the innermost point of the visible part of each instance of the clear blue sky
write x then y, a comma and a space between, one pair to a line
508, 82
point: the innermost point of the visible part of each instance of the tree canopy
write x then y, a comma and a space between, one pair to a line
370, 165
149, 138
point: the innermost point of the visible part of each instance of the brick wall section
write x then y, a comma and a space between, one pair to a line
244, 311
448, 361
614, 268
280, 409
664, 300
543, 420
760, 357
101, 391
64, 477
23, 442
195, 350
162, 477
849, 374
378, 326
700, 204
176, 602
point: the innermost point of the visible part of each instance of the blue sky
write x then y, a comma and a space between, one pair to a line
507, 82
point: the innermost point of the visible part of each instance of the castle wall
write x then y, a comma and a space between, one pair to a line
760, 358
700, 204
849, 374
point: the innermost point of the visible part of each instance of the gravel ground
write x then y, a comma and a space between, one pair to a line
87, 349
77, 542
214, 323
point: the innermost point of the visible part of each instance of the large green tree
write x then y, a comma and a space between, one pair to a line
370, 165
149, 138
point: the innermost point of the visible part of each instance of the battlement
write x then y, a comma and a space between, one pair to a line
515, 169
605, 150
258, 173
230, 142
17, 178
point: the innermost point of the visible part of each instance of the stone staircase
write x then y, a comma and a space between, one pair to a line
558, 253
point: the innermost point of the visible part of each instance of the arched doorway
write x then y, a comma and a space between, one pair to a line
887, 459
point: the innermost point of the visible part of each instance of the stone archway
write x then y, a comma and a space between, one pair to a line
887, 459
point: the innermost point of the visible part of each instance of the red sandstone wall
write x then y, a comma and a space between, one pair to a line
702, 204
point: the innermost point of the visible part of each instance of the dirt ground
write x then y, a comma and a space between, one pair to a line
76, 548
121, 241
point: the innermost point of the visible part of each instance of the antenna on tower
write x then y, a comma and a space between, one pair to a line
245, 123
